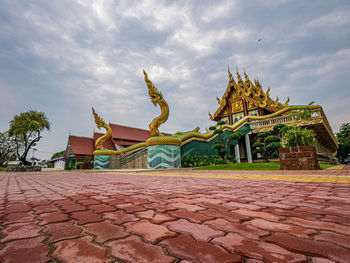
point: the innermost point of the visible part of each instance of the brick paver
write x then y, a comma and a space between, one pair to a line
176, 216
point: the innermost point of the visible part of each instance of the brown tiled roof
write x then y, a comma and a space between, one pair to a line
108, 144
125, 143
81, 145
120, 132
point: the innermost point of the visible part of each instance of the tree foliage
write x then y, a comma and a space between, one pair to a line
26, 129
220, 145
304, 114
296, 136
343, 137
266, 145
7, 148
299, 137
58, 155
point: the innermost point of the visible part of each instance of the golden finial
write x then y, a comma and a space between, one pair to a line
210, 116
229, 73
238, 76
246, 77
219, 101
277, 99
268, 92
287, 102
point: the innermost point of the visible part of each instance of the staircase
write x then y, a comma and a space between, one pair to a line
136, 159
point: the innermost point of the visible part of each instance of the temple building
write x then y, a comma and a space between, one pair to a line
245, 98
79, 148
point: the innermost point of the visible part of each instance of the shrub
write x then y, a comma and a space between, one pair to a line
78, 164
200, 160
267, 145
299, 137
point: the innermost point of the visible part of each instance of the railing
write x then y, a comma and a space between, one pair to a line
127, 157
282, 119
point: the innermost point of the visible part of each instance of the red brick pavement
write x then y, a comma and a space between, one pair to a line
97, 217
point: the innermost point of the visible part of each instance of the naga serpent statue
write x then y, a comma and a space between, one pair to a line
101, 124
156, 98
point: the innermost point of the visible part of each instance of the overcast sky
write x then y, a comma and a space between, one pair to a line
62, 57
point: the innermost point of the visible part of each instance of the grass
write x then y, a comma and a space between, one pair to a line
250, 166
2, 169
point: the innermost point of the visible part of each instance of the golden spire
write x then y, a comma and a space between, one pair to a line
229, 73
238, 76
268, 92
287, 102
246, 77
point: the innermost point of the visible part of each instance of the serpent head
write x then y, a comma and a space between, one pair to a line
99, 122
153, 92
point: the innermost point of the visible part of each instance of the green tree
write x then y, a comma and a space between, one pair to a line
343, 137
220, 144
58, 155
267, 145
296, 136
26, 129
304, 114
7, 148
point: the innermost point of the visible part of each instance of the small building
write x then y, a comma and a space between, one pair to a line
81, 148
59, 163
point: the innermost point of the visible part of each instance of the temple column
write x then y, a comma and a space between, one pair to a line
238, 158
249, 150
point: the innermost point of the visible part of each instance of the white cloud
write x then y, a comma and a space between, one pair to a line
78, 54
220, 10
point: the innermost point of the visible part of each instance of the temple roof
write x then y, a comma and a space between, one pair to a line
252, 93
108, 144
120, 132
81, 145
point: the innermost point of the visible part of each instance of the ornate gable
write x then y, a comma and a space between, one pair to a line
244, 96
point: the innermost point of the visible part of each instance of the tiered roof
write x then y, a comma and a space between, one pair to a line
253, 94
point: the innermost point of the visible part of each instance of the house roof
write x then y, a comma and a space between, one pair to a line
108, 144
81, 145
120, 132
121, 135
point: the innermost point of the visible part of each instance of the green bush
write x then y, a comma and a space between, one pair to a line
298, 137
77, 164
200, 160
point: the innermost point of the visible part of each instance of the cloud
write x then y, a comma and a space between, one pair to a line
63, 57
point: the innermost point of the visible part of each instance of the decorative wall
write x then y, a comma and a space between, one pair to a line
163, 156
101, 162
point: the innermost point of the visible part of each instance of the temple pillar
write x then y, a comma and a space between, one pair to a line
249, 150
238, 158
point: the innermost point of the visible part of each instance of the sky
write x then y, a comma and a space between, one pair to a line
62, 57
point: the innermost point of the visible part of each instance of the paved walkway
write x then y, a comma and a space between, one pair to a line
175, 216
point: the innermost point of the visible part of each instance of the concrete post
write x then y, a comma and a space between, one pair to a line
238, 157
249, 150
